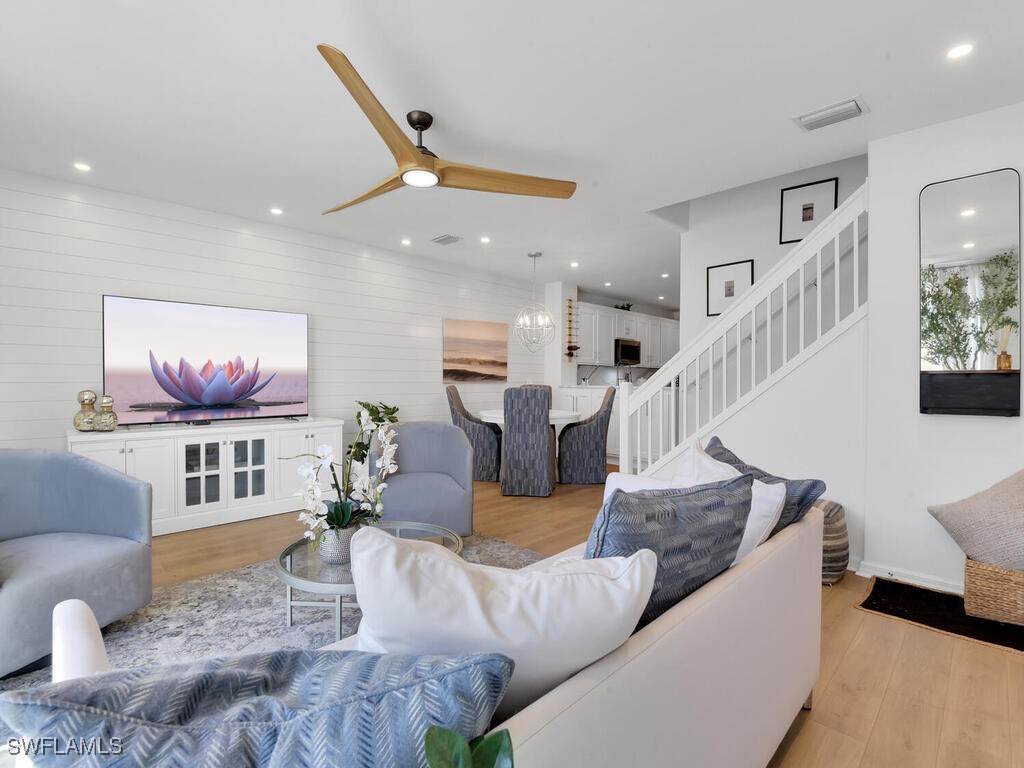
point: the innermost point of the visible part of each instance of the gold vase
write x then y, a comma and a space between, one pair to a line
1004, 362
85, 419
106, 419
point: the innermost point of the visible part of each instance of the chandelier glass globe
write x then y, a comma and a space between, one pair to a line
534, 326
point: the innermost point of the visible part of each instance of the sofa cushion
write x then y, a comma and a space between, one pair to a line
989, 526
418, 597
695, 532
800, 494
696, 467
626, 482
286, 708
112, 574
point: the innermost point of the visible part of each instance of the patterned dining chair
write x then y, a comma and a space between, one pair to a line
485, 438
527, 445
583, 446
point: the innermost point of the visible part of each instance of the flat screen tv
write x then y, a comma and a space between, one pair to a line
167, 361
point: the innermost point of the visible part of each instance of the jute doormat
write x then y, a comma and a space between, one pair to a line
939, 611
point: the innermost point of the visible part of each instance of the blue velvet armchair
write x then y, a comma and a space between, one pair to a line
434, 481
69, 528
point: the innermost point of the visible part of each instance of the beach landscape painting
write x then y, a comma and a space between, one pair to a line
475, 350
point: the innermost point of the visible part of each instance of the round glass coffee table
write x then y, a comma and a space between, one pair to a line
299, 567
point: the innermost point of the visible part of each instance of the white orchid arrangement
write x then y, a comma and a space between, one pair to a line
359, 493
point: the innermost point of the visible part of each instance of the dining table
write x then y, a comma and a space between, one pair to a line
557, 417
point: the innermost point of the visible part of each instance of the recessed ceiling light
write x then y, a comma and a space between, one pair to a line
485, 239
417, 177
607, 285
661, 298
968, 245
968, 212
83, 167
406, 241
574, 264
276, 211
664, 274
959, 51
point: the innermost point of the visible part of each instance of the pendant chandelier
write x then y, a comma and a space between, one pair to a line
534, 326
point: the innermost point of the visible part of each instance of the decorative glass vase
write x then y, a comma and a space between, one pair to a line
1004, 362
85, 419
336, 545
106, 419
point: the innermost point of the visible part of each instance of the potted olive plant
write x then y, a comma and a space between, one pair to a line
956, 327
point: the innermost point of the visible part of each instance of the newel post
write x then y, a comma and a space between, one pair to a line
625, 458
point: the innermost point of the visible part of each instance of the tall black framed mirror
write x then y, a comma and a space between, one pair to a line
970, 295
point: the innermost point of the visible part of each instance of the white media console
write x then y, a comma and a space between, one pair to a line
213, 473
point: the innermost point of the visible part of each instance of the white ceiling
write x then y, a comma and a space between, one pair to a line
226, 105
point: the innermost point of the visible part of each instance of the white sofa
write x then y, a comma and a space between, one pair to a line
713, 683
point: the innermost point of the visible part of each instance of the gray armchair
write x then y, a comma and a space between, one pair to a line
583, 446
69, 528
434, 481
485, 438
528, 443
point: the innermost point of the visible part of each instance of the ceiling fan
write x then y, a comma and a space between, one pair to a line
417, 165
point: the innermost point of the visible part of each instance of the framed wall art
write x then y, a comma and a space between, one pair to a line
726, 283
804, 207
474, 350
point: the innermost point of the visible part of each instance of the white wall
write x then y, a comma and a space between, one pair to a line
375, 315
916, 460
740, 224
811, 424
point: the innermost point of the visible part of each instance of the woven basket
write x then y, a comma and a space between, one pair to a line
993, 592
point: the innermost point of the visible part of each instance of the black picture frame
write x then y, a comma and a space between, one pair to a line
788, 225
729, 268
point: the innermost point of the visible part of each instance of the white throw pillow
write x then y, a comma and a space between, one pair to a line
418, 597
695, 467
628, 483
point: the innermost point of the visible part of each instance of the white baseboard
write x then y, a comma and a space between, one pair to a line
869, 569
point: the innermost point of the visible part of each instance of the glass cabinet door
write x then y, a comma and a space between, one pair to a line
248, 466
202, 471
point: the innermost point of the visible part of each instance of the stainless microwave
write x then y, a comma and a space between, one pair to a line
627, 352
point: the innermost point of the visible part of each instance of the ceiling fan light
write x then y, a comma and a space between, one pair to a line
418, 177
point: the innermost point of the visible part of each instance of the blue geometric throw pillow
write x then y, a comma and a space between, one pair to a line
286, 709
800, 494
695, 532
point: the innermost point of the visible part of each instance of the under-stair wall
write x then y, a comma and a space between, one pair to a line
781, 376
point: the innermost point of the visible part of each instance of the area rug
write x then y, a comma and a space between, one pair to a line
241, 611
940, 611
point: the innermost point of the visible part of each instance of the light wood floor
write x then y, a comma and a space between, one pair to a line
890, 694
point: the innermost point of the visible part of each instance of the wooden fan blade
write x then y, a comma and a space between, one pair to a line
388, 185
400, 145
462, 176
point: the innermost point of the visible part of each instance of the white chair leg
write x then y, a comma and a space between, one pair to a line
77, 642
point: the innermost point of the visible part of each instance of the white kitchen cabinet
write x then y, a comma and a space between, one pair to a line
605, 340
625, 326
586, 334
209, 475
669, 340
643, 335
651, 351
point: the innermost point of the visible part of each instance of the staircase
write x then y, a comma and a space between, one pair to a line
802, 305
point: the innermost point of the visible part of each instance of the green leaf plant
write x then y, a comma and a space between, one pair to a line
448, 749
957, 328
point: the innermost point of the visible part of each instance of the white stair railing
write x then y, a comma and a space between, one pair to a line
814, 295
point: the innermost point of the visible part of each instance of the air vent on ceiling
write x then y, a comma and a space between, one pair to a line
833, 113
445, 239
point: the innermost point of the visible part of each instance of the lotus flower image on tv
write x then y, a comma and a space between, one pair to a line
141, 335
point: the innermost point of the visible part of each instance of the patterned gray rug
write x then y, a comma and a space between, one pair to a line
240, 611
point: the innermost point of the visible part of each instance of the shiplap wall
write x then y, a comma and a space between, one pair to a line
374, 315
